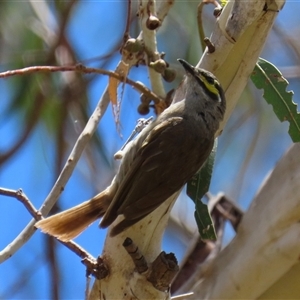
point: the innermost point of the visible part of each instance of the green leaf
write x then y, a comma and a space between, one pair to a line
267, 77
204, 222
197, 187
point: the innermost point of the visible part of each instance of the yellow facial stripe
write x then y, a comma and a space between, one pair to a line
210, 86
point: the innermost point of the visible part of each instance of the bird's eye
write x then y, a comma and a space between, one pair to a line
210, 80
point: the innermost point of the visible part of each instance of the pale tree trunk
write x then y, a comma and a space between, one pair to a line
264, 255
239, 36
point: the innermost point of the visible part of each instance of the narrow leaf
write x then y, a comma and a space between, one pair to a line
267, 77
113, 84
197, 187
113, 90
204, 222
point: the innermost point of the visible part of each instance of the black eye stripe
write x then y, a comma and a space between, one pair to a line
211, 84
209, 79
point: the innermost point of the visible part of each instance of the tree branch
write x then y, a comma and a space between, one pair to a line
95, 267
147, 13
86, 70
147, 234
267, 237
65, 174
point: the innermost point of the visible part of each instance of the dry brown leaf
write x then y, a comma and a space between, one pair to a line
113, 84
113, 90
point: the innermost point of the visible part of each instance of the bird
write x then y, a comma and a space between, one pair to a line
158, 163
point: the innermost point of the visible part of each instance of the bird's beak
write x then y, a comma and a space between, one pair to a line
188, 67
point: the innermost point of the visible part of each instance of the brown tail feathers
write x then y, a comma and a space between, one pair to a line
70, 223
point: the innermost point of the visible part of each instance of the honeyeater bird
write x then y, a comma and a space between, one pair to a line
164, 156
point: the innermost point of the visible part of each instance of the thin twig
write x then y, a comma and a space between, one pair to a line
87, 286
19, 195
230, 211
64, 17
149, 38
97, 268
65, 174
202, 38
182, 296
78, 250
74, 247
197, 254
136, 255
53, 265
210, 46
127, 27
200, 25
82, 69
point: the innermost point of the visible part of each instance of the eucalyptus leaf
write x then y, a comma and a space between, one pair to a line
267, 77
204, 222
197, 187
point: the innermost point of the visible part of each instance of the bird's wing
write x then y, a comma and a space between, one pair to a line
160, 168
